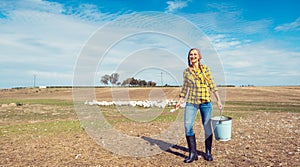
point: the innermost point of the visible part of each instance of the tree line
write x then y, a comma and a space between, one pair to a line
114, 80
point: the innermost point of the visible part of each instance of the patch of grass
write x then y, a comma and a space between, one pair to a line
113, 115
56, 118
33, 113
23, 117
236, 115
38, 101
262, 106
41, 128
167, 116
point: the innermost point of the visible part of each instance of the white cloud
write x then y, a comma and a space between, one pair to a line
293, 26
175, 5
262, 63
40, 5
45, 38
38, 36
228, 22
223, 42
143, 53
248, 56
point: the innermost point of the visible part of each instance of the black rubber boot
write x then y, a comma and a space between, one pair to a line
208, 145
193, 156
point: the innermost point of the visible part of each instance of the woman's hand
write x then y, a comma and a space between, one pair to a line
220, 106
177, 106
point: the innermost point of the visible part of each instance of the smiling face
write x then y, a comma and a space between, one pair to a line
194, 56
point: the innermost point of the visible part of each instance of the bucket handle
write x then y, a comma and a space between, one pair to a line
220, 116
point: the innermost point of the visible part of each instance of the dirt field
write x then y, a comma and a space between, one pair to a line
39, 127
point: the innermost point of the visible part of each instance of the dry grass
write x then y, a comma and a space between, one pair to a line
44, 129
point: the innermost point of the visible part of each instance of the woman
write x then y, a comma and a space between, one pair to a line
197, 83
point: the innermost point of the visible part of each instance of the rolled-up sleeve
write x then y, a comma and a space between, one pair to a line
212, 84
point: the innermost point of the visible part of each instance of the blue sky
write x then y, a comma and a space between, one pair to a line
257, 42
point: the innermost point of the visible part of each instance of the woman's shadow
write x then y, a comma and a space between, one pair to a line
168, 147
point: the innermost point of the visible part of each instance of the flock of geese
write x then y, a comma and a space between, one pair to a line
139, 103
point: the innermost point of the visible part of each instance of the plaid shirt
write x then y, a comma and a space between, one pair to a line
197, 88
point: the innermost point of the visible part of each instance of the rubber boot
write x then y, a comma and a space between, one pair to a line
208, 145
193, 156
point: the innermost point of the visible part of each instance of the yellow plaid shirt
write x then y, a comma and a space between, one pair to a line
197, 86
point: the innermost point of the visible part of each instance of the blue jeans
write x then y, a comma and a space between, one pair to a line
190, 114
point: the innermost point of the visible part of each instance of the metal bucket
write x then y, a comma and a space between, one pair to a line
222, 127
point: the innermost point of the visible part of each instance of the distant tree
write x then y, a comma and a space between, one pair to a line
137, 82
113, 79
133, 82
151, 84
142, 82
126, 82
105, 78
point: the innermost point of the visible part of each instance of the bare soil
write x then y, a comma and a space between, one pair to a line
265, 130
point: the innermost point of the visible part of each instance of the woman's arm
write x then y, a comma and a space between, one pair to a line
213, 88
177, 106
220, 106
183, 91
